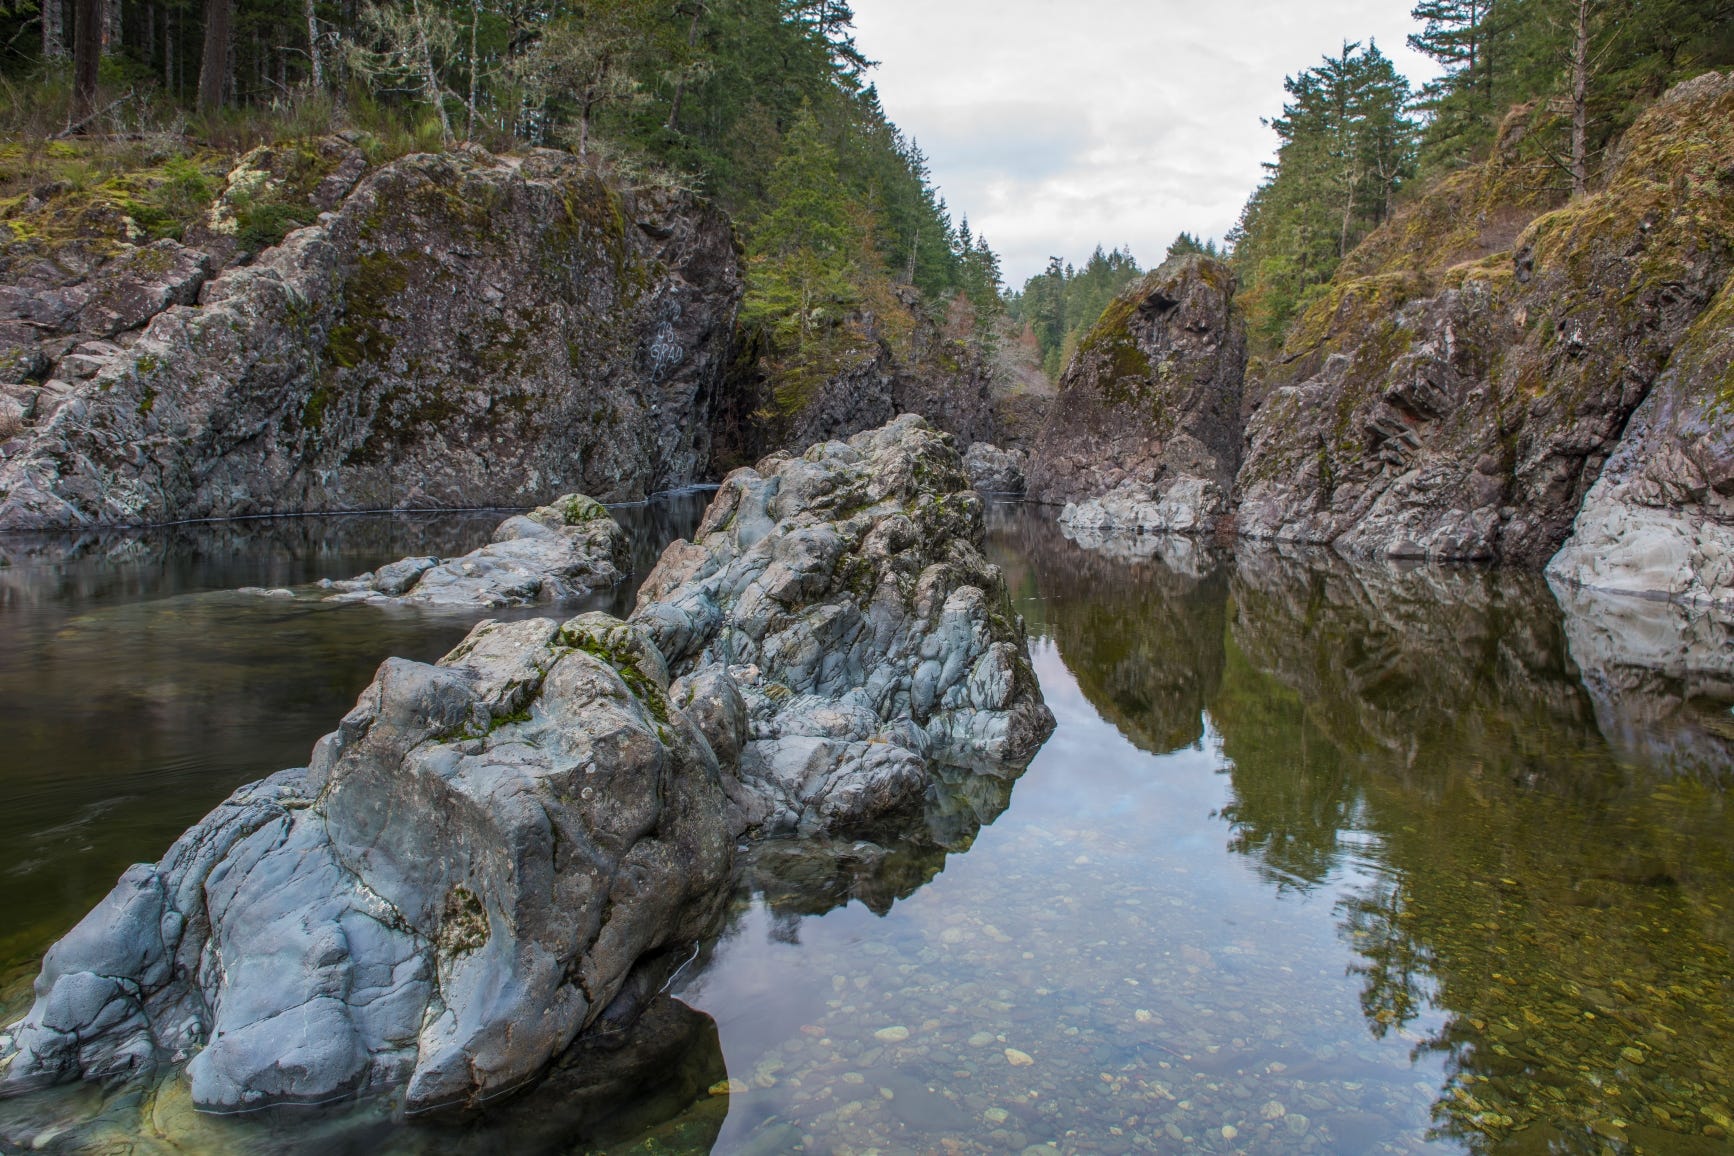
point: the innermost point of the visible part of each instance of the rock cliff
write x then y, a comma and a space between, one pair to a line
1145, 432
867, 369
1463, 410
1660, 519
458, 330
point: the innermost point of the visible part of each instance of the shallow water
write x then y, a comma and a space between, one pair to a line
1321, 858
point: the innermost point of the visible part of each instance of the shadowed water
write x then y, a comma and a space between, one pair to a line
1321, 858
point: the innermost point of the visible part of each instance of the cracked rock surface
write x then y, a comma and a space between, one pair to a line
485, 856
841, 596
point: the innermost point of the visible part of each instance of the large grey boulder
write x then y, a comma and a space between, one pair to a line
488, 855
995, 470
554, 553
842, 598
1185, 505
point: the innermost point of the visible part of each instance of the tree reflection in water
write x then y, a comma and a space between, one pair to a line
1531, 859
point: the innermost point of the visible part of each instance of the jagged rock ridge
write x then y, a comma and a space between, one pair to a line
1145, 432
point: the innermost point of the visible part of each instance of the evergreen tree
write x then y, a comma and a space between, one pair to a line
1061, 303
1346, 146
803, 248
1186, 244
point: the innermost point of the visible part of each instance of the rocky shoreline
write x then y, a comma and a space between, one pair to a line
496, 854
1552, 396
1558, 399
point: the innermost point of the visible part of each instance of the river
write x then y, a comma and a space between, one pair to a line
1322, 857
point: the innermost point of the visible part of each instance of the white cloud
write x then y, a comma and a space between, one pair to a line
1058, 126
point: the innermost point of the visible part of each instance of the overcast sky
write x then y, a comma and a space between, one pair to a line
1057, 125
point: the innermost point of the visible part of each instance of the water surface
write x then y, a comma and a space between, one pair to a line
1321, 858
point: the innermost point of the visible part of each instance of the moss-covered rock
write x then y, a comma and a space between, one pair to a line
460, 330
1152, 399
1463, 410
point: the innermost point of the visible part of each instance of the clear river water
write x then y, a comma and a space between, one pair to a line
1322, 858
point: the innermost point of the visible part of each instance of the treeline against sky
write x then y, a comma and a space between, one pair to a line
1353, 136
763, 105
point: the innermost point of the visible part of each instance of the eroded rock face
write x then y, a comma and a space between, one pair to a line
1145, 432
554, 553
1464, 412
835, 621
80, 279
484, 858
462, 330
1660, 519
874, 369
995, 471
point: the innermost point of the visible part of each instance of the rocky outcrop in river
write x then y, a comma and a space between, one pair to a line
484, 857
1145, 433
459, 330
834, 622
553, 553
1447, 404
513, 849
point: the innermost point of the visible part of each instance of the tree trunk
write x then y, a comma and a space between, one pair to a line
1580, 102
53, 30
86, 58
214, 68
680, 86
475, 72
430, 79
111, 26
169, 51
313, 57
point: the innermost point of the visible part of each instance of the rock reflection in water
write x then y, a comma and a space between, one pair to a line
650, 1085
1661, 676
1139, 621
805, 877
